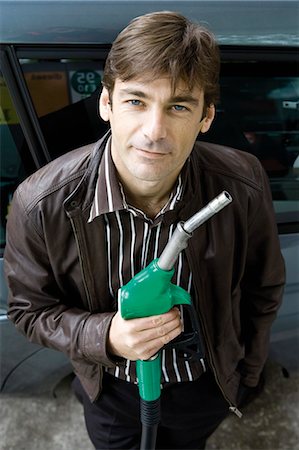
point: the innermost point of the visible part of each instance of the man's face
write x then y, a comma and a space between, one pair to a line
153, 129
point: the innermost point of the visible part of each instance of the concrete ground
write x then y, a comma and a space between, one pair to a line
270, 422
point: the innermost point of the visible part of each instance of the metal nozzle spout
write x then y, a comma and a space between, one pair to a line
184, 231
208, 211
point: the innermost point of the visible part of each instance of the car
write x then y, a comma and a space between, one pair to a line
51, 64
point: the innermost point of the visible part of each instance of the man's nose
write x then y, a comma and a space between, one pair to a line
154, 127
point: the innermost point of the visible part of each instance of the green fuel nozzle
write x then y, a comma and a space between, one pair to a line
151, 292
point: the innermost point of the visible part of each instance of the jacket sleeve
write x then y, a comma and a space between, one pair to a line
262, 284
37, 306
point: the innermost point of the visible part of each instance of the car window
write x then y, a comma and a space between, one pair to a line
55, 84
65, 96
13, 145
266, 110
258, 113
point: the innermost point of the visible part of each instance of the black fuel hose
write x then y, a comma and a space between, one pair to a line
150, 418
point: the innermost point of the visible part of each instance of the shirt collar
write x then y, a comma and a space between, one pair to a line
107, 197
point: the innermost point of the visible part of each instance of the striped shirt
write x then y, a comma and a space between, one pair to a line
133, 241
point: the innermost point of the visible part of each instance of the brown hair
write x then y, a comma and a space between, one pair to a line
165, 43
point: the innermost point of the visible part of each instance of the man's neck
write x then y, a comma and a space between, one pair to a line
150, 198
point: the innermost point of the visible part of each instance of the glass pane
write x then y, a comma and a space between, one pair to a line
11, 166
54, 85
259, 114
65, 95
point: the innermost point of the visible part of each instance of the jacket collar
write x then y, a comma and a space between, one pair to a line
82, 196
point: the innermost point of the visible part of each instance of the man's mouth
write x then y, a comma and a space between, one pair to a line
151, 153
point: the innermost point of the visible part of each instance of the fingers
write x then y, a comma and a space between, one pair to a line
147, 343
143, 337
155, 322
163, 327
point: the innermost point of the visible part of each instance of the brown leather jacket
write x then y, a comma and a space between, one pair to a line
55, 264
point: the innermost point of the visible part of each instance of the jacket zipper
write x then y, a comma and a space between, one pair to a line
87, 292
232, 408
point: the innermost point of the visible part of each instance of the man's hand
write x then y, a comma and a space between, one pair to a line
143, 337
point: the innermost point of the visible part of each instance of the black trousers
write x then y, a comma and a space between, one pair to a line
190, 412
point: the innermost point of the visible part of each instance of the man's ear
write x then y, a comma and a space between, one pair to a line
208, 119
104, 105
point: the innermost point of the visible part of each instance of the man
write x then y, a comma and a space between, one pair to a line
87, 223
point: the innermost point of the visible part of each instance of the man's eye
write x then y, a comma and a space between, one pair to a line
135, 102
179, 108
